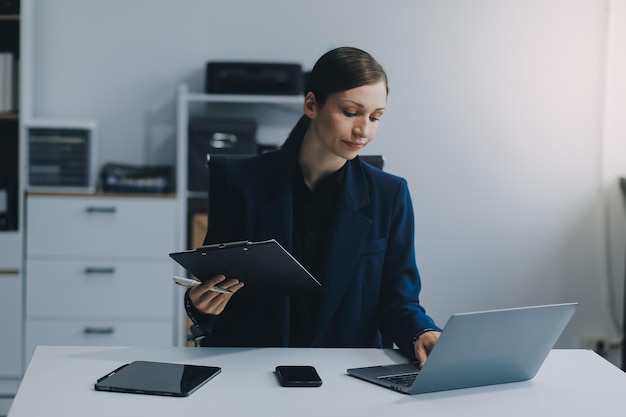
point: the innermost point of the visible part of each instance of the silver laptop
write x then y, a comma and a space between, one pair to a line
480, 348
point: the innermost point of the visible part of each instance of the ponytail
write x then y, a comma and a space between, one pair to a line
297, 133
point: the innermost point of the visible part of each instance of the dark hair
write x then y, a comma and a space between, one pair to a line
338, 70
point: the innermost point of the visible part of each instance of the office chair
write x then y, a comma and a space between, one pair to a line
377, 160
195, 336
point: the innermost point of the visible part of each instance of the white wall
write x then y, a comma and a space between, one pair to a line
495, 117
614, 152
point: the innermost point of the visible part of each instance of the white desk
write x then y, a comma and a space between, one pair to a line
59, 382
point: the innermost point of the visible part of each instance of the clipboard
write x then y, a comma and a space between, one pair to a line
263, 266
157, 378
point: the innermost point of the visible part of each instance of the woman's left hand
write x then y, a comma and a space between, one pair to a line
424, 344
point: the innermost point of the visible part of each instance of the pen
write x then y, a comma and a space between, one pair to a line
188, 282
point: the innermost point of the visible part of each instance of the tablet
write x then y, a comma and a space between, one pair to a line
157, 378
262, 266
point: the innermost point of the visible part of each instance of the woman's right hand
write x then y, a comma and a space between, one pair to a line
211, 302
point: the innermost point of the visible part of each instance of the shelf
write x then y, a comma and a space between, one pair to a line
244, 99
9, 116
187, 97
52, 193
12, 17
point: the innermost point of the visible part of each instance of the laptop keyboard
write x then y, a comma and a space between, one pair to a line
401, 379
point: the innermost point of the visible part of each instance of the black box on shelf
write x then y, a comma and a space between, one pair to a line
254, 78
216, 136
123, 178
61, 156
9, 6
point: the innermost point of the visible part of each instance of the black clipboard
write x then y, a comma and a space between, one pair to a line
262, 266
157, 378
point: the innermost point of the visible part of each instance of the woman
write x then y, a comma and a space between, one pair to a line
348, 223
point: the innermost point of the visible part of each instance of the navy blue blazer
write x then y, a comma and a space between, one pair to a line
371, 294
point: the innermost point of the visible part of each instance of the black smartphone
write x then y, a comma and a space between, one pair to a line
298, 376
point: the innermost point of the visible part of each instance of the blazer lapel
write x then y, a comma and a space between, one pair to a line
275, 220
349, 236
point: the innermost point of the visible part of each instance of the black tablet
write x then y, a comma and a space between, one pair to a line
261, 266
157, 378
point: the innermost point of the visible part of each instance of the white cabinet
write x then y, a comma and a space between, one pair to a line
98, 270
10, 312
10, 332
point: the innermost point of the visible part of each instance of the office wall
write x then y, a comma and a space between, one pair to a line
614, 152
495, 117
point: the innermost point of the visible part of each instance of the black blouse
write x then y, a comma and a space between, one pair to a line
313, 221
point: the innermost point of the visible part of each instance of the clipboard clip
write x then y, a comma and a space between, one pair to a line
237, 244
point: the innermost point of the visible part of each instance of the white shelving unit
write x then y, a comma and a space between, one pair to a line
185, 100
11, 242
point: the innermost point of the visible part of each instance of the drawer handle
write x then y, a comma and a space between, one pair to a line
94, 209
96, 270
98, 330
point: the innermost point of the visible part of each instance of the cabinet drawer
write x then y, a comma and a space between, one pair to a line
100, 226
97, 333
99, 288
11, 253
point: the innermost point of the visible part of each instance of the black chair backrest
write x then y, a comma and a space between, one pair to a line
377, 160
215, 163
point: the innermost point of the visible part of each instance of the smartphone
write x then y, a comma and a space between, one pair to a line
298, 376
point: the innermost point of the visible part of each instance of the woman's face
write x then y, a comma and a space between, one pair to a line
348, 120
